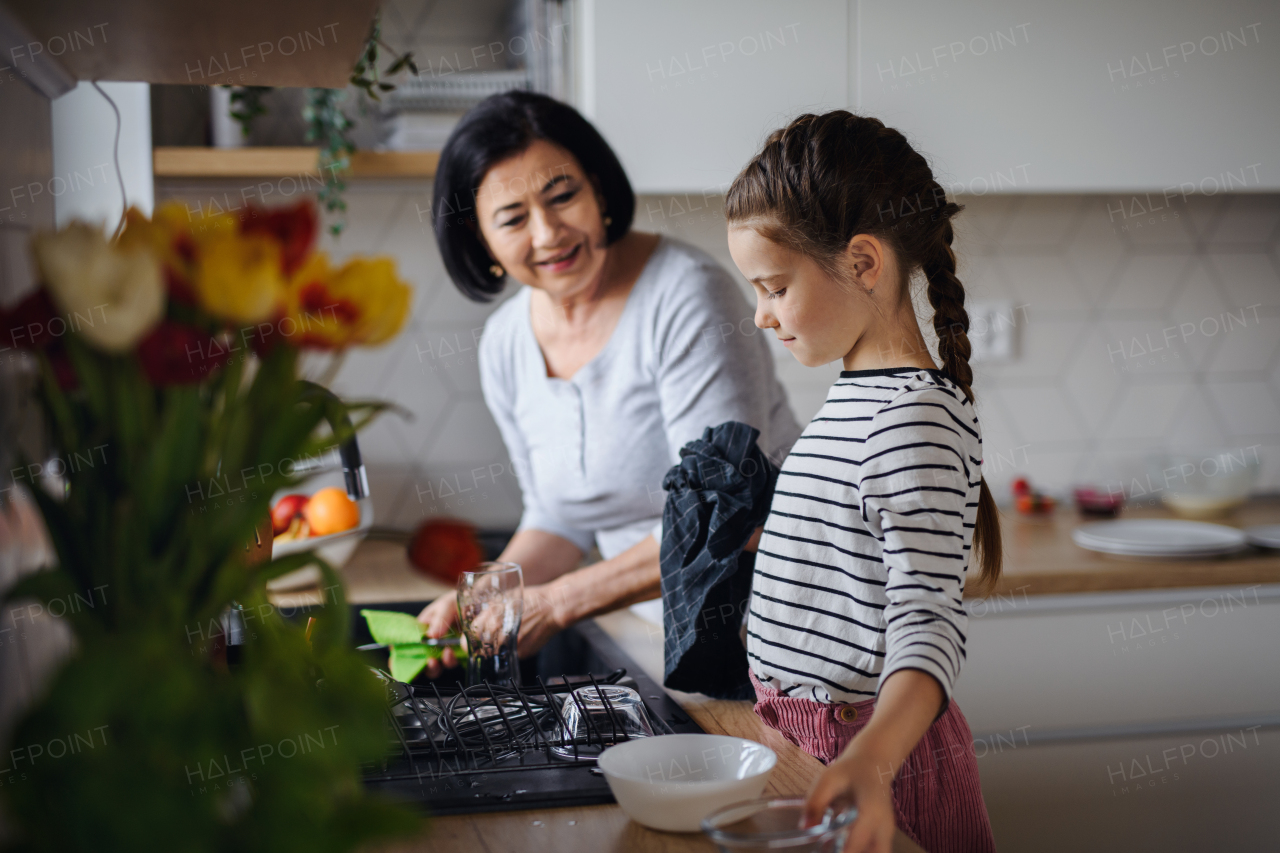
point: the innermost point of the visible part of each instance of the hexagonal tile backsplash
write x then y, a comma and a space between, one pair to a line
1135, 333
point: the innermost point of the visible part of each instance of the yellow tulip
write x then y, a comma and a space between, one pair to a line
363, 302
237, 276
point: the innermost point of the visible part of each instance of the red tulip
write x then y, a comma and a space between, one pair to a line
34, 324
178, 354
293, 227
31, 324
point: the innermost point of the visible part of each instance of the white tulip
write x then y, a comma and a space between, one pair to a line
112, 296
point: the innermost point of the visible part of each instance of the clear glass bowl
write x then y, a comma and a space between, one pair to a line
1204, 485
774, 824
604, 716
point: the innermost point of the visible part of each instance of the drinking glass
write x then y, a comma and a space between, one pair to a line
490, 605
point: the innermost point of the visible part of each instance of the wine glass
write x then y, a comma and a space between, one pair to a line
490, 605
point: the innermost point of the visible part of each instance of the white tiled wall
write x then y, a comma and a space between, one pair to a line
1088, 399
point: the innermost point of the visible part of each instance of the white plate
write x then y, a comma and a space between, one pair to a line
1097, 544
1264, 536
1153, 537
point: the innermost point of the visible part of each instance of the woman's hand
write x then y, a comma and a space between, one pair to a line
855, 779
540, 621
440, 617
538, 624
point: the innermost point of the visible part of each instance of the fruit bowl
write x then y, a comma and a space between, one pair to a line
335, 548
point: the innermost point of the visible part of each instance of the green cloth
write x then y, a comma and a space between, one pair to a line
402, 634
390, 627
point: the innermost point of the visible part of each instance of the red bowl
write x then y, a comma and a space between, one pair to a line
1097, 502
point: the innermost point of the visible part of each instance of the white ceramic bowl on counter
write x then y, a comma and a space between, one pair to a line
671, 782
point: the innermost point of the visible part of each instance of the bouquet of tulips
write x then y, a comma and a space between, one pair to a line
172, 351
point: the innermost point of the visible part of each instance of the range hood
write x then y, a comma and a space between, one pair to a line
54, 43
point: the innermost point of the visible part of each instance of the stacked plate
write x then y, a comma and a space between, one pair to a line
1264, 536
1151, 537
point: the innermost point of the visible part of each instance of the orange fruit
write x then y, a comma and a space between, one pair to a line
331, 511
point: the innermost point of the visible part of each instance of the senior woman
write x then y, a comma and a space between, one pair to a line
620, 347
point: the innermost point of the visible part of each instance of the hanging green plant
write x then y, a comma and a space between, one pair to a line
328, 125
365, 74
246, 105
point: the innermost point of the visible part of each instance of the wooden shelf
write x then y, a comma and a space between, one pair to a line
278, 162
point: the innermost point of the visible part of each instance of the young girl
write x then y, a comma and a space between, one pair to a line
856, 630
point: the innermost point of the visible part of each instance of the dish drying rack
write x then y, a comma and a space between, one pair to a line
486, 729
485, 748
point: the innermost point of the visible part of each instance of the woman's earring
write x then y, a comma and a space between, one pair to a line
608, 220
497, 271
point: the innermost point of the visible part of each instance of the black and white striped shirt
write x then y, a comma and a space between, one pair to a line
861, 567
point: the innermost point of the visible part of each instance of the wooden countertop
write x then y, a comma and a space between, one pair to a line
1041, 558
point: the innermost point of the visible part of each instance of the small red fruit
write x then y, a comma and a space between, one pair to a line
284, 512
445, 548
1021, 486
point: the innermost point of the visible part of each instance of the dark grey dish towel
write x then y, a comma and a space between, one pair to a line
716, 497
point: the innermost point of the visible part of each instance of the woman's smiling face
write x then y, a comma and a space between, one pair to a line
816, 317
541, 219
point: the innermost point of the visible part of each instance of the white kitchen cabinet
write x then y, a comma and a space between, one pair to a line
1088, 96
1082, 666
1170, 97
687, 92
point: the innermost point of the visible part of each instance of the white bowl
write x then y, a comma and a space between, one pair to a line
671, 782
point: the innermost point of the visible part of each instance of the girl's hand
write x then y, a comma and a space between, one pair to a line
856, 779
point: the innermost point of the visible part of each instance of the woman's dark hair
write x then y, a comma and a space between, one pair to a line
823, 179
499, 127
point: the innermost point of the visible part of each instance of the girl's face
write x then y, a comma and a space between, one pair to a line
541, 219
819, 319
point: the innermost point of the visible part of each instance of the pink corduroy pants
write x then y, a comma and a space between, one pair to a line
936, 796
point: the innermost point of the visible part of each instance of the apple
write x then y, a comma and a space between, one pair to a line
284, 512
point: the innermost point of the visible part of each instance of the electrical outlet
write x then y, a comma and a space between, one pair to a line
993, 330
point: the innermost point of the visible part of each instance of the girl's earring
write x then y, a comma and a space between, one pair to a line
497, 271
608, 220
